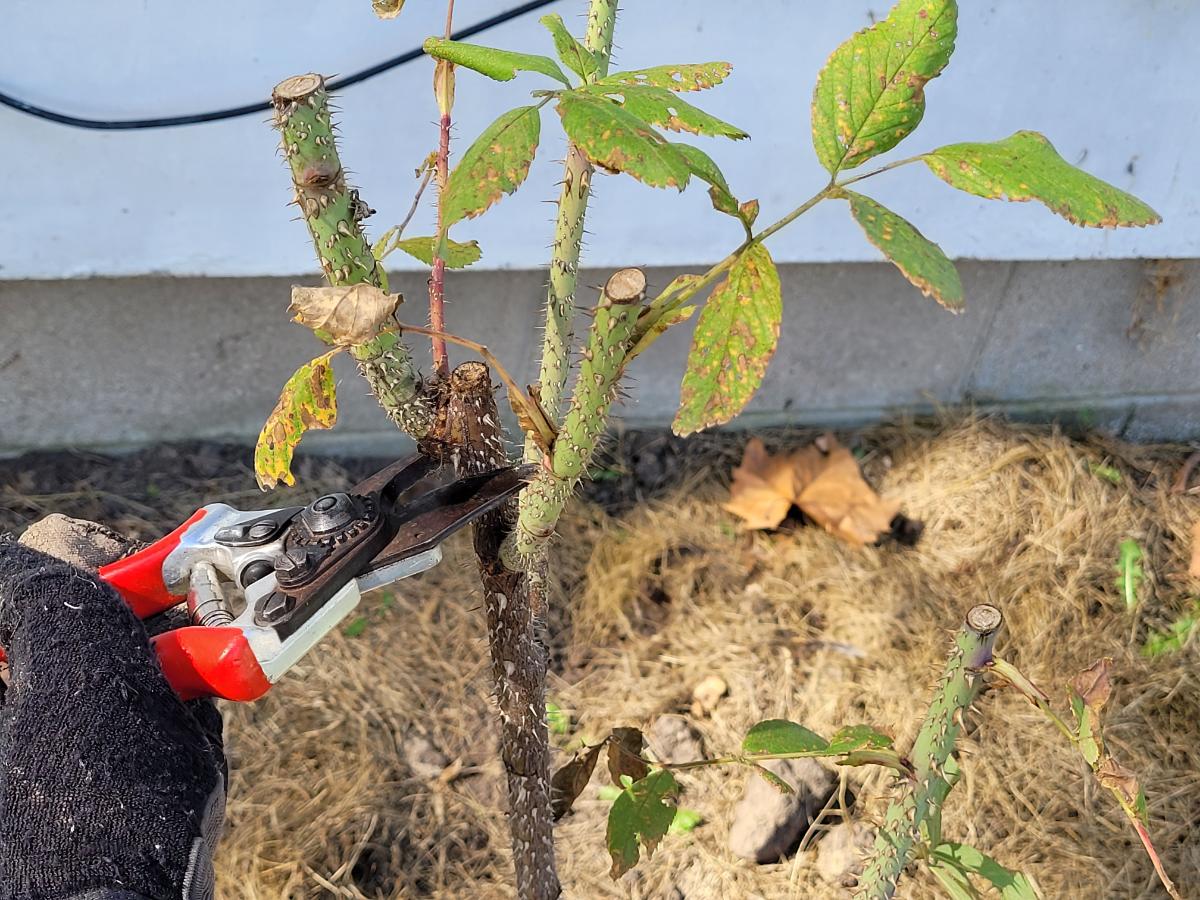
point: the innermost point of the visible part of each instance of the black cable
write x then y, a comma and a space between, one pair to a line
250, 109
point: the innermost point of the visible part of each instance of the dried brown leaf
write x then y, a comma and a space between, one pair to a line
569, 781
824, 480
1093, 684
763, 487
1116, 777
344, 315
625, 755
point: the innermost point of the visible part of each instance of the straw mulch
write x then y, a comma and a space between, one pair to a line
325, 800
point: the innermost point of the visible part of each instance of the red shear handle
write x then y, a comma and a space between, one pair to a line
210, 662
139, 578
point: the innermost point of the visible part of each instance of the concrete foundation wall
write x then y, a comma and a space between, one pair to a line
120, 362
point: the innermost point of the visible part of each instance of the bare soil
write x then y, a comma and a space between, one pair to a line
658, 589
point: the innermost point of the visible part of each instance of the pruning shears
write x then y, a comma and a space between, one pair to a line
263, 587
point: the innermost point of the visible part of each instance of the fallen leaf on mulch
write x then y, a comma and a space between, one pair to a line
822, 479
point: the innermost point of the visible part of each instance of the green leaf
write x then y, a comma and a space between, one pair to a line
1025, 166
576, 57
1129, 572
1011, 885
495, 165
734, 340
502, 65
308, 401
1085, 719
642, 814
1108, 473
618, 141
920, 260
608, 792
685, 820
356, 627
458, 255
858, 737
954, 881
658, 106
1173, 638
782, 736
687, 77
558, 720
871, 93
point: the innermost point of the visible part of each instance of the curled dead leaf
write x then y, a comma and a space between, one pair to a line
1194, 566
569, 781
824, 480
387, 9
1116, 777
532, 417
625, 755
345, 315
1093, 684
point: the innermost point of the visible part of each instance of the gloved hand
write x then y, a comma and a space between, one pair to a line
111, 788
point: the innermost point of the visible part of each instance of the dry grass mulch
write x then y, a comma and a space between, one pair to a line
325, 803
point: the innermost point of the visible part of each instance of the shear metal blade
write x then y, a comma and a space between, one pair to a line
431, 518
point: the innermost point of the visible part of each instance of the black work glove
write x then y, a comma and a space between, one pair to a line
110, 786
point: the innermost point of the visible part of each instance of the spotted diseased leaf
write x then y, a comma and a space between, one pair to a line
641, 815
502, 65
576, 57
570, 780
748, 212
308, 401
387, 9
966, 859
871, 93
617, 141
858, 737
625, 754
734, 340
782, 736
920, 260
344, 315
1025, 166
688, 77
458, 255
495, 165
659, 106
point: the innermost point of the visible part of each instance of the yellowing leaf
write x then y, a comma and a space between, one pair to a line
734, 340
688, 77
308, 401
825, 482
495, 165
1025, 166
458, 255
502, 65
920, 259
618, 141
658, 106
344, 315
871, 93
